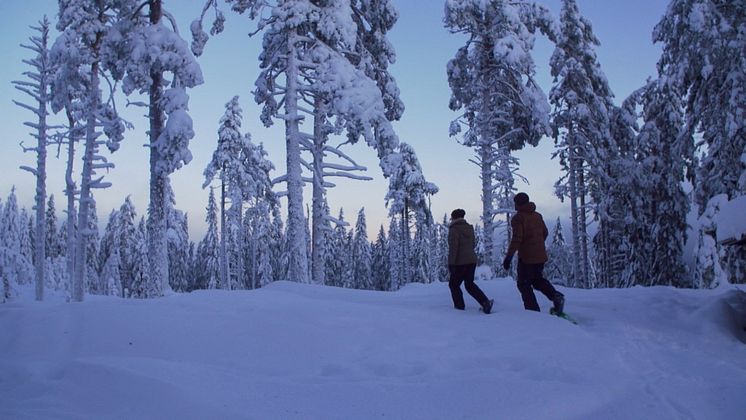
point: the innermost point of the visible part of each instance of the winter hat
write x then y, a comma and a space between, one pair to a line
520, 199
458, 214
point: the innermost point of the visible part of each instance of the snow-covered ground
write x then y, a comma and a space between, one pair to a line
292, 351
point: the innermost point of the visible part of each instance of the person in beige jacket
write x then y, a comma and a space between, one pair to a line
462, 262
528, 236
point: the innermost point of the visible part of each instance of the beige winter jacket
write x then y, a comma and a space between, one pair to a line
461, 243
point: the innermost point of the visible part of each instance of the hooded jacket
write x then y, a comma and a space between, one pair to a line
529, 234
461, 243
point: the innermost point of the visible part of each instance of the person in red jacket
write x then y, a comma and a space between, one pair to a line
529, 234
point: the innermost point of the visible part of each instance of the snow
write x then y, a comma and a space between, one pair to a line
293, 350
731, 219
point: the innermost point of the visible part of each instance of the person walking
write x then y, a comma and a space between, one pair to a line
462, 262
529, 234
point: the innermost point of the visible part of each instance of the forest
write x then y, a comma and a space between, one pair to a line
636, 170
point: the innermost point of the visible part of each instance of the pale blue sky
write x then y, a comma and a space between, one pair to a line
627, 56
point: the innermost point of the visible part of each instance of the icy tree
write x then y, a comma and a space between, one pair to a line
491, 80
243, 170
408, 197
83, 26
360, 254
125, 239
703, 59
148, 54
110, 276
16, 268
379, 266
397, 262
307, 69
336, 252
37, 87
142, 285
559, 266
53, 245
207, 250
582, 100
178, 250
667, 148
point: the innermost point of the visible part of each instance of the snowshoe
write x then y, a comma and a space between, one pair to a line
562, 315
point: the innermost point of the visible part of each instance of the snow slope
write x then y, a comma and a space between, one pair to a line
292, 351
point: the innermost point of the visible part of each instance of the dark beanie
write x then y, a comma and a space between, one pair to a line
520, 199
458, 214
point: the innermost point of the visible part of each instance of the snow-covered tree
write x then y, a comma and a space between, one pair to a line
83, 26
360, 254
336, 252
397, 262
110, 276
408, 197
178, 251
559, 266
667, 148
207, 251
491, 80
306, 59
53, 242
582, 101
143, 286
37, 87
243, 170
16, 268
148, 54
379, 266
703, 60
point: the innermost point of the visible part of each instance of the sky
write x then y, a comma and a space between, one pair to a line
230, 66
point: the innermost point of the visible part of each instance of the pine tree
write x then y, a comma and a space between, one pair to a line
17, 269
703, 61
149, 55
491, 80
582, 101
83, 26
37, 87
559, 267
361, 256
143, 284
397, 262
52, 243
126, 241
208, 248
107, 246
408, 197
306, 47
335, 264
380, 262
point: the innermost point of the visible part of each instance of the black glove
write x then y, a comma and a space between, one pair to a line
452, 269
506, 262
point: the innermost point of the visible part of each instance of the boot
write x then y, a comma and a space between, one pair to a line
487, 306
559, 303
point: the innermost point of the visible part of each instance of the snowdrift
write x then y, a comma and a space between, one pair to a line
292, 351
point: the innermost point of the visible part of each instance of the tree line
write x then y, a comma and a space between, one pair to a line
324, 75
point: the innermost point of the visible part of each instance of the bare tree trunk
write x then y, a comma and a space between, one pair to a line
574, 214
41, 170
317, 218
225, 282
70, 193
297, 252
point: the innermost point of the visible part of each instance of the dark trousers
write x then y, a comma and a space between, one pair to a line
530, 277
464, 274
